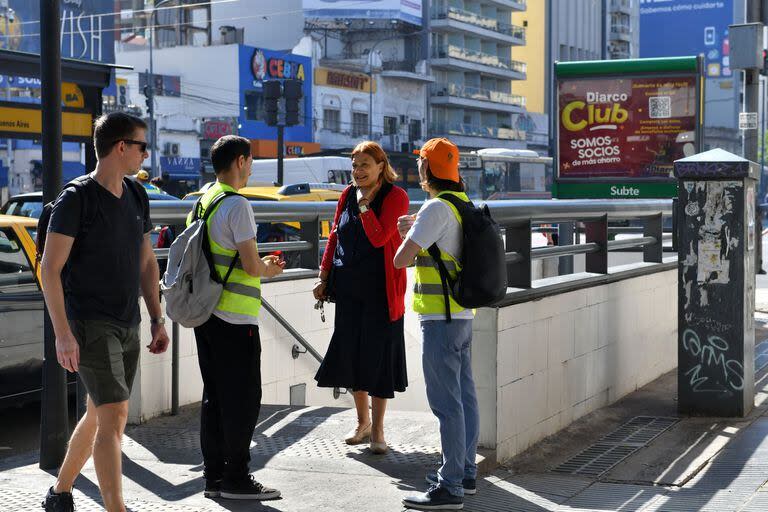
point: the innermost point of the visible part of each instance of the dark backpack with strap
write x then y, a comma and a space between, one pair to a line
87, 210
483, 277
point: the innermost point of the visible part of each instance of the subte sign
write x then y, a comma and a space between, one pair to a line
747, 120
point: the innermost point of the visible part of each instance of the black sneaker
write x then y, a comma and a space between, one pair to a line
212, 488
62, 502
247, 489
436, 498
469, 484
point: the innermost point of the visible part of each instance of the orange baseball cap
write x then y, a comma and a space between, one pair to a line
443, 158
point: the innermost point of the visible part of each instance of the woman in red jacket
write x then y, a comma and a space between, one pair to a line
367, 350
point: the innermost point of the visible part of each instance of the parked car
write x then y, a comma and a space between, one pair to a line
286, 231
21, 314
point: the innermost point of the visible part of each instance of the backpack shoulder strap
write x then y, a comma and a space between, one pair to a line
434, 251
459, 204
206, 240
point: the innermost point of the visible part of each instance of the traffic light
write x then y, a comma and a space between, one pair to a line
293, 94
272, 93
148, 93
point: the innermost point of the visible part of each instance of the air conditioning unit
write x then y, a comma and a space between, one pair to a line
171, 149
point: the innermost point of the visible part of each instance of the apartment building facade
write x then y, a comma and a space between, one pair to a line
472, 44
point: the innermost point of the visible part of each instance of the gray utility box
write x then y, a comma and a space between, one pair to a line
716, 284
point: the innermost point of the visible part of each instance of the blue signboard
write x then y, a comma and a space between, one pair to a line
257, 65
87, 28
180, 167
672, 28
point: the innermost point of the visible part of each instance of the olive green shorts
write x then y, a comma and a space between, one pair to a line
109, 356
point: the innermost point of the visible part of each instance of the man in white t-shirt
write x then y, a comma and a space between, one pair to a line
228, 343
446, 338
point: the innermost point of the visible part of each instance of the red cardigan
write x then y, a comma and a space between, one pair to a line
381, 232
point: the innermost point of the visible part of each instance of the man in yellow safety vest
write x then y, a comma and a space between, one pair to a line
228, 344
446, 350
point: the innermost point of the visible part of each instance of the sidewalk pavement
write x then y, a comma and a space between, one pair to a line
697, 464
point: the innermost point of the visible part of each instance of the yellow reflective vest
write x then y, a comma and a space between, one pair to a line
241, 296
428, 298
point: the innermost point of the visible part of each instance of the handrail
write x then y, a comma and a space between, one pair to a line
293, 332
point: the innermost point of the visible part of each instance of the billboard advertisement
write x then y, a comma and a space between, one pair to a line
259, 64
670, 28
87, 28
622, 124
404, 10
625, 128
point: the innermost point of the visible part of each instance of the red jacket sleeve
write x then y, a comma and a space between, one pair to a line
330, 248
380, 230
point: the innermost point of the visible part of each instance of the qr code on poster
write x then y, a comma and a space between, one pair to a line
660, 107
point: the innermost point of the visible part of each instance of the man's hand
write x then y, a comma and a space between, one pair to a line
404, 223
274, 265
68, 352
160, 339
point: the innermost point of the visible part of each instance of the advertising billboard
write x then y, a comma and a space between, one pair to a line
404, 10
670, 28
87, 28
623, 125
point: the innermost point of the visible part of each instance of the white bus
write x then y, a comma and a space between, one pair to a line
499, 173
311, 169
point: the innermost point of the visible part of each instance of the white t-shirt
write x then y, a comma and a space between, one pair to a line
436, 224
231, 224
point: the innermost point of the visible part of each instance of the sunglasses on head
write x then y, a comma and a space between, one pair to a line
142, 144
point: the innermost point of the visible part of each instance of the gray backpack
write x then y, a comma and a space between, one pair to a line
190, 285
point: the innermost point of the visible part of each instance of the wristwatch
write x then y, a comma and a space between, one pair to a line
157, 321
363, 208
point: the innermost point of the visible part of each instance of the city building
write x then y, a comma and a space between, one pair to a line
471, 57
623, 31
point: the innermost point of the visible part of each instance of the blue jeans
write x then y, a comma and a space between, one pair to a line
451, 395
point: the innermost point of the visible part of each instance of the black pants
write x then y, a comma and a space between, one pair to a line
230, 364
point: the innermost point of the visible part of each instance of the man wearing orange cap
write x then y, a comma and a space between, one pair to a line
447, 339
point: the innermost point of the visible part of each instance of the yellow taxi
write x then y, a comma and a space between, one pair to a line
286, 231
21, 312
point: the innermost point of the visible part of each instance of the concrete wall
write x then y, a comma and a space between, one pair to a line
541, 365
538, 365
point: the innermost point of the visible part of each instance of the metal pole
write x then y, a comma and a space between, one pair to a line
280, 129
751, 104
9, 143
54, 430
151, 89
604, 27
175, 368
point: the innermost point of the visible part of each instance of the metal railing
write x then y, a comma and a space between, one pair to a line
479, 20
476, 57
518, 218
475, 130
476, 93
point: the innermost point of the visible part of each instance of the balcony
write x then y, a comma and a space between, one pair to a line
621, 32
452, 18
621, 6
406, 70
469, 60
475, 97
620, 54
515, 5
471, 130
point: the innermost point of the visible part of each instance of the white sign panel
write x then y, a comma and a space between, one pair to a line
748, 121
405, 10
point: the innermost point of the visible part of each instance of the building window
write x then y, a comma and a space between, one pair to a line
254, 104
359, 124
414, 130
390, 125
332, 119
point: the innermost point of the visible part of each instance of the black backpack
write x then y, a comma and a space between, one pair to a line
87, 211
483, 277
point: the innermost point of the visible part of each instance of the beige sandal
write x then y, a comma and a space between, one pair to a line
378, 448
358, 435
